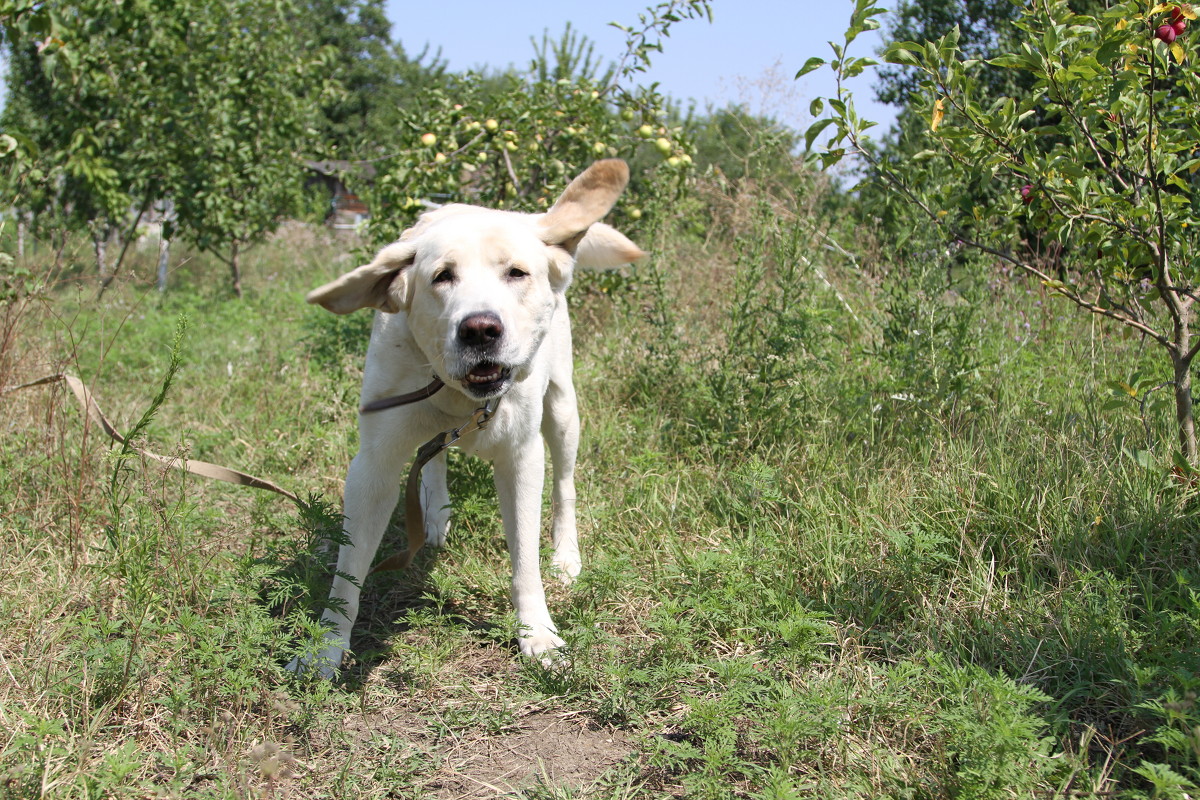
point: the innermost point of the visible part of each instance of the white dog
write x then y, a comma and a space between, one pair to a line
476, 298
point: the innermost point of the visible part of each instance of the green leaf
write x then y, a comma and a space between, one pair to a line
902, 53
1078, 72
814, 131
1122, 388
1143, 458
832, 157
855, 66
948, 44
815, 62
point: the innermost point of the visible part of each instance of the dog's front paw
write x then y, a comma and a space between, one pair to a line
437, 526
567, 566
540, 642
325, 663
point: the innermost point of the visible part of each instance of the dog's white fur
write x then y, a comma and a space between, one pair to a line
501, 277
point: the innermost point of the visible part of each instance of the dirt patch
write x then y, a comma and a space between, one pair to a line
543, 749
538, 749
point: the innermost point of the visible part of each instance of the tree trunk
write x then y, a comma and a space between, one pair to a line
164, 257
60, 249
1181, 361
1183, 408
21, 225
128, 240
234, 270
100, 244
164, 213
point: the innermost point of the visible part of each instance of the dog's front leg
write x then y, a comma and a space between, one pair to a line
372, 490
519, 476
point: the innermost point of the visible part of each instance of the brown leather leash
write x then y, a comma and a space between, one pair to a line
201, 468
414, 520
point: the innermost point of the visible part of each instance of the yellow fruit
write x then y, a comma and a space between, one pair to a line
646, 131
492, 125
635, 213
428, 139
440, 157
673, 161
599, 148
663, 145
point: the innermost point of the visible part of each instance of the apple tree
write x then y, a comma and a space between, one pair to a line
121, 105
515, 141
246, 96
1099, 154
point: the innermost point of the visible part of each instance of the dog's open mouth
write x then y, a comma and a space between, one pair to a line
486, 379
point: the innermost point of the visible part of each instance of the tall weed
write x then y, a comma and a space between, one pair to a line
930, 345
753, 381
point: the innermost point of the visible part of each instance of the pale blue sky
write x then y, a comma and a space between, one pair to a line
748, 54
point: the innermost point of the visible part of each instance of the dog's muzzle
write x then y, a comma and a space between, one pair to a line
479, 337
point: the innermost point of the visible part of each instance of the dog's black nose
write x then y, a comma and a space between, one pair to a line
480, 330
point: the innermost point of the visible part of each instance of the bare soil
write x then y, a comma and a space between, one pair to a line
540, 749
544, 749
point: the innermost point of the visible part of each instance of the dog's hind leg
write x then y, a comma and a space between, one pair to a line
435, 501
560, 427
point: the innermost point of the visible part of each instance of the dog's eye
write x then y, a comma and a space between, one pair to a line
516, 273
444, 276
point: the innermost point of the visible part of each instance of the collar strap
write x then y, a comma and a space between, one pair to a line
403, 399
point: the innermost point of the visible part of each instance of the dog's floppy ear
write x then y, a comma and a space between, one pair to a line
604, 247
585, 201
382, 284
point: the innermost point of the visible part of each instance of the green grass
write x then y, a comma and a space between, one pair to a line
907, 552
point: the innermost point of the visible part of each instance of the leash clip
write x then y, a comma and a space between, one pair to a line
479, 420
483, 414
